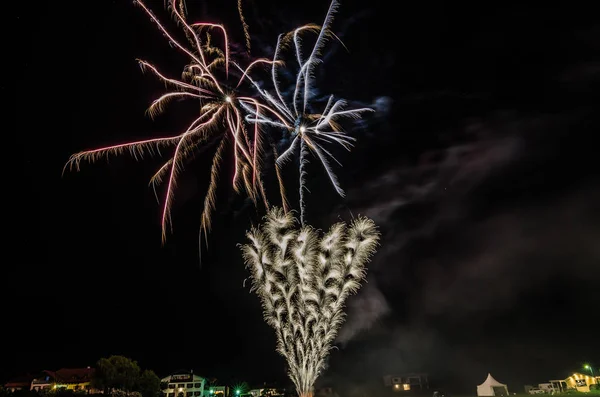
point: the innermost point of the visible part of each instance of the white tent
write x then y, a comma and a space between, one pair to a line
491, 387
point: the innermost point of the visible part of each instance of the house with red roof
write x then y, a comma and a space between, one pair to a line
20, 383
76, 379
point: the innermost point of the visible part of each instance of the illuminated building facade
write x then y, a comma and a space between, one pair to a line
577, 381
217, 391
407, 382
184, 384
265, 392
76, 379
44, 382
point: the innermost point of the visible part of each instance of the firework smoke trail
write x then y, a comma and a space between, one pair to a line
306, 129
220, 116
303, 280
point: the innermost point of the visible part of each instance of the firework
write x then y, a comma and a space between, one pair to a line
205, 79
307, 130
303, 280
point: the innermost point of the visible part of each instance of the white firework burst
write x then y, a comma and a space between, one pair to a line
303, 280
308, 130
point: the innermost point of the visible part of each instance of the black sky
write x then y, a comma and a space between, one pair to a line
483, 176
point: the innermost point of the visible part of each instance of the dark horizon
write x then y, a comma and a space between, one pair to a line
479, 167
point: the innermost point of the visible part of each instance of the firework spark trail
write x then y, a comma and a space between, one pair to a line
303, 162
293, 115
244, 25
303, 280
220, 116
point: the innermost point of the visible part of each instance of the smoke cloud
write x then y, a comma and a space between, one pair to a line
471, 249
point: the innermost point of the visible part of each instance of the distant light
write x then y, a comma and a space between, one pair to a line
228, 99
237, 392
302, 129
181, 389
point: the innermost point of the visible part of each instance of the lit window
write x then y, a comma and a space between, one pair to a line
406, 386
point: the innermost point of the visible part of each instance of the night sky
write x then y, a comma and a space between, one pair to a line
480, 168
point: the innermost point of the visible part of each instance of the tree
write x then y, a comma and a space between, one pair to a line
303, 280
116, 373
149, 384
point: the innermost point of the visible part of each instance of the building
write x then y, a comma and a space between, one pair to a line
43, 382
577, 381
19, 383
266, 392
407, 382
184, 384
76, 379
217, 391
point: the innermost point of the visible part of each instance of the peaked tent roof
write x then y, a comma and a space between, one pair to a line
490, 381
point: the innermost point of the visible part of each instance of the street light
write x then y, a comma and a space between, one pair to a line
237, 392
589, 367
